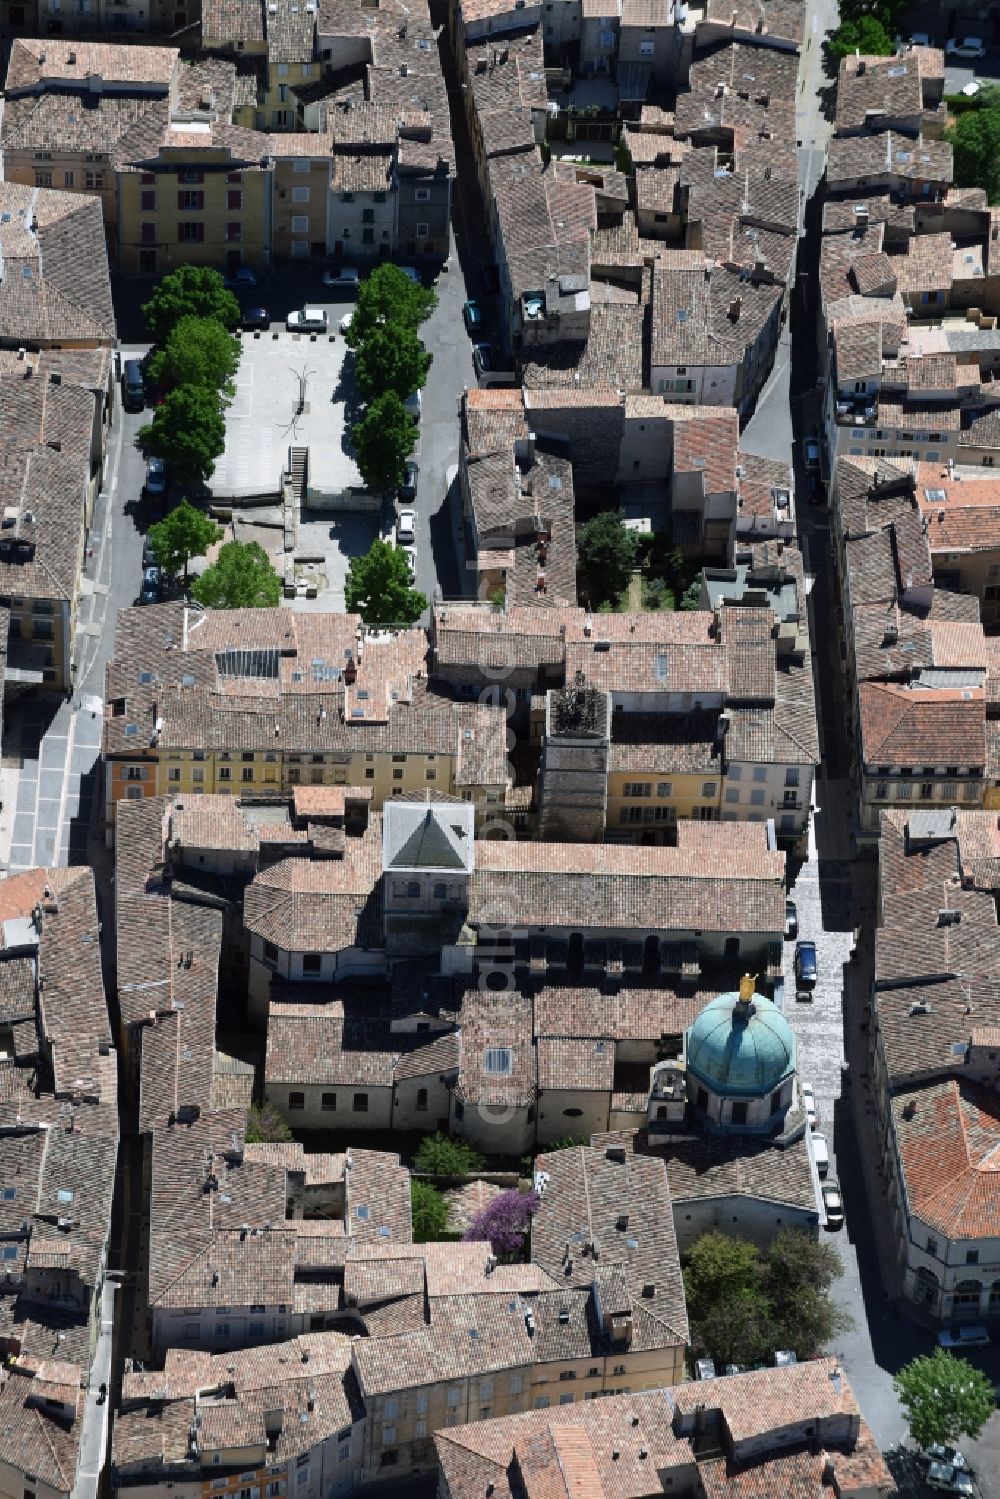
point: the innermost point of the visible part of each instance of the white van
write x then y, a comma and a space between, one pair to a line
821, 1153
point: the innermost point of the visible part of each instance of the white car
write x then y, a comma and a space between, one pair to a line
347, 320
405, 527
809, 1104
307, 320
821, 1153
948, 1479
834, 1205
965, 46
342, 275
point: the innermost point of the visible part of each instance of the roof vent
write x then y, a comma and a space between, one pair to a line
920, 1009
949, 917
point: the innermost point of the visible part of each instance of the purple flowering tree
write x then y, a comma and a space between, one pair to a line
505, 1223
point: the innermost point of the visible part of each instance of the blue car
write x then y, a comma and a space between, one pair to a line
805, 962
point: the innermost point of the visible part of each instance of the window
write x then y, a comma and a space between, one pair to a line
970, 792
390, 1458
664, 788
190, 201
422, 231
360, 1104
733, 793
926, 791
948, 791
312, 962
300, 223
881, 791
147, 200
296, 1101
234, 232
225, 773
422, 1099
422, 195
708, 788
246, 773
43, 179
190, 175
932, 1245
174, 773
637, 788
270, 953
135, 772
93, 180
300, 195
904, 791
499, 1061
328, 1103
738, 1113
756, 798
972, 1256
190, 234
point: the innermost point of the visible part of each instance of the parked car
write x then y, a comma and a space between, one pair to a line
133, 386
411, 273
948, 1479
791, 920
938, 1453
414, 405
152, 586
347, 320
821, 1153
972, 1336
834, 1205
969, 47
406, 493
809, 1104
783, 1357
156, 476
347, 276
308, 320
472, 313
482, 359
148, 555
811, 452
405, 527
241, 279
920, 39
704, 1368
805, 962
256, 317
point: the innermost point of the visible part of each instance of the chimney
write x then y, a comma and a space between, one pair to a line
735, 308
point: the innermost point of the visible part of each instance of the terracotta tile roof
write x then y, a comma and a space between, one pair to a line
45, 61
888, 155
872, 91
948, 1136
586, 1197
677, 889
914, 726
55, 287
497, 1065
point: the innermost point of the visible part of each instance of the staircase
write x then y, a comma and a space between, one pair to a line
298, 469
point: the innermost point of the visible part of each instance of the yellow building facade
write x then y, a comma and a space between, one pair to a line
196, 204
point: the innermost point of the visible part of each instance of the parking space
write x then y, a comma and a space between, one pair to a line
292, 390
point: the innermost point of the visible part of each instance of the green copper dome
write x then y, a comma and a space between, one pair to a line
741, 1046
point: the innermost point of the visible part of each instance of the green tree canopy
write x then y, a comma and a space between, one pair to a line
606, 553
241, 578
190, 291
265, 1126
188, 430
430, 1212
440, 1156
388, 298
197, 351
690, 599
185, 533
378, 587
383, 440
867, 34
944, 1398
391, 358
743, 1303
975, 140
